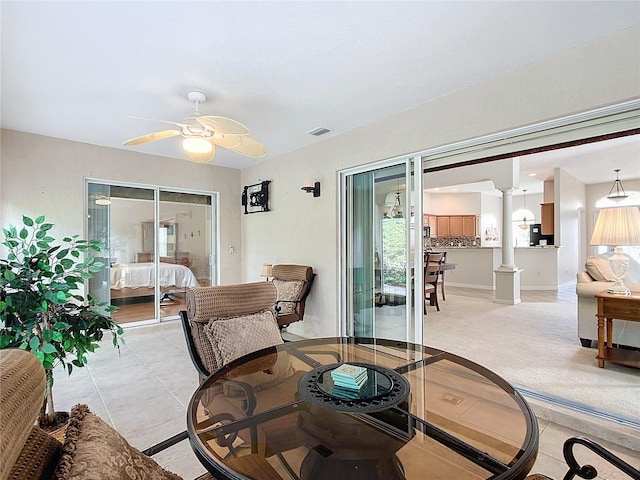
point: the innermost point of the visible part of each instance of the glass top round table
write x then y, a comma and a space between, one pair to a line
360, 408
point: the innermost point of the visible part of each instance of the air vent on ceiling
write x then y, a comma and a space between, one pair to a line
319, 131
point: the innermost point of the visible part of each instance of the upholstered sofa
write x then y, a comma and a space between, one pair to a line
596, 278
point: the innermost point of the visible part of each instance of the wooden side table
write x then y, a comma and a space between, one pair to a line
621, 307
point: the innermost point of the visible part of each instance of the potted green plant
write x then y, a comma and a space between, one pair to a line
42, 305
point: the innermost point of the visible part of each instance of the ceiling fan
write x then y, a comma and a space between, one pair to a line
201, 134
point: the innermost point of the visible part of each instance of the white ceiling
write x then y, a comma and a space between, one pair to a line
77, 70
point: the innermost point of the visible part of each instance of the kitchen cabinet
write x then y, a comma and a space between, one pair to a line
431, 221
443, 226
546, 212
469, 226
456, 226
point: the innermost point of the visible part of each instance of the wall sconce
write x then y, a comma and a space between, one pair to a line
315, 189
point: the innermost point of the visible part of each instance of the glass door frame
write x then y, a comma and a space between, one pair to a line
413, 321
214, 258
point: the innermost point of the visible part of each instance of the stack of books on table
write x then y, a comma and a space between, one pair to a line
350, 377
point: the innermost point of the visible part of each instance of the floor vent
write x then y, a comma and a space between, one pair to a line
319, 131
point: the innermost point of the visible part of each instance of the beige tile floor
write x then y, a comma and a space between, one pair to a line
144, 392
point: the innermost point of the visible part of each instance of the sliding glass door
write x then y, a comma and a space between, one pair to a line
158, 243
380, 240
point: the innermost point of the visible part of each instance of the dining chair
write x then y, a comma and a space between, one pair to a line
432, 262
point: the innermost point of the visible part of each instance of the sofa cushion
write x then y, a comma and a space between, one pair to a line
94, 450
288, 290
232, 338
599, 269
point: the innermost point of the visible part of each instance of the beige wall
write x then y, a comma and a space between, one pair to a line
45, 176
42, 175
303, 229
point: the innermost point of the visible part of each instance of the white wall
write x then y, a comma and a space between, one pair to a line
569, 200
303, 229
45, 176
455, 204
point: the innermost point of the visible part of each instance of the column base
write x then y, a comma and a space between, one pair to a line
507, 286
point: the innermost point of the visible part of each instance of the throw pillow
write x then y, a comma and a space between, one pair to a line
93, 450
599, 269
288, 290
235, 337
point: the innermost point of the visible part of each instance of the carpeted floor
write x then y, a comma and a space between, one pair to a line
533, 344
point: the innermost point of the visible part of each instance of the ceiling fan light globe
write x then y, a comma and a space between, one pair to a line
197, 146
201, 157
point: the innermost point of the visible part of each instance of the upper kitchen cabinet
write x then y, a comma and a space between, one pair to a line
456, 225
431, 221
443, 226
546, 214
469, 226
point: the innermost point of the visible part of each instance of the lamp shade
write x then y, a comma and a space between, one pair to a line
617, 227
266, 270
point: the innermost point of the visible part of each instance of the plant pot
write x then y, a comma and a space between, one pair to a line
60, 420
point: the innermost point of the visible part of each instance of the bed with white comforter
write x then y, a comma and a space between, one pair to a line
140, 277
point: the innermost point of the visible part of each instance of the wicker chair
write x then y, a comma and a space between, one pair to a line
243, 304
28, 452
293, 284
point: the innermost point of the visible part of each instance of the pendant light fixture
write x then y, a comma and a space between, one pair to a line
617, 192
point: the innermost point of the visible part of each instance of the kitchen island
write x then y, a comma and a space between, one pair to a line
475, 266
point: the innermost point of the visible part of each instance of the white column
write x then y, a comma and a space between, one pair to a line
508, 275
507, 230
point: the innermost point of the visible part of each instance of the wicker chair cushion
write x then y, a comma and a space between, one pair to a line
203, 346
23, 383
92, 450
226, 301
288, 290
38, 458
234, 337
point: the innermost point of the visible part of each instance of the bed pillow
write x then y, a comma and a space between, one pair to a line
599, 269
288, 290
235, 337
92, 450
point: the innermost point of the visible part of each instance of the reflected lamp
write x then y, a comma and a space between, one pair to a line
618, 227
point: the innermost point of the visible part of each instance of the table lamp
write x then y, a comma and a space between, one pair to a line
266, 271
618, 227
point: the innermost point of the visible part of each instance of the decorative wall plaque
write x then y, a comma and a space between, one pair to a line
255, 198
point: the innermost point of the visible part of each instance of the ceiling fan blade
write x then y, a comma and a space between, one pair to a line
181, 125
201, 157
152, 137
247, 146
223, 125
228, 141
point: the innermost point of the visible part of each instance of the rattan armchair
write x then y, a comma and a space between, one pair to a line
293, 284
247, 307
28, 452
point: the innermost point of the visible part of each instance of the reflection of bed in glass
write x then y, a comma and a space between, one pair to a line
138, 279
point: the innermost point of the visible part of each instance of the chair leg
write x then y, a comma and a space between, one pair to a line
442, 288
434, 300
